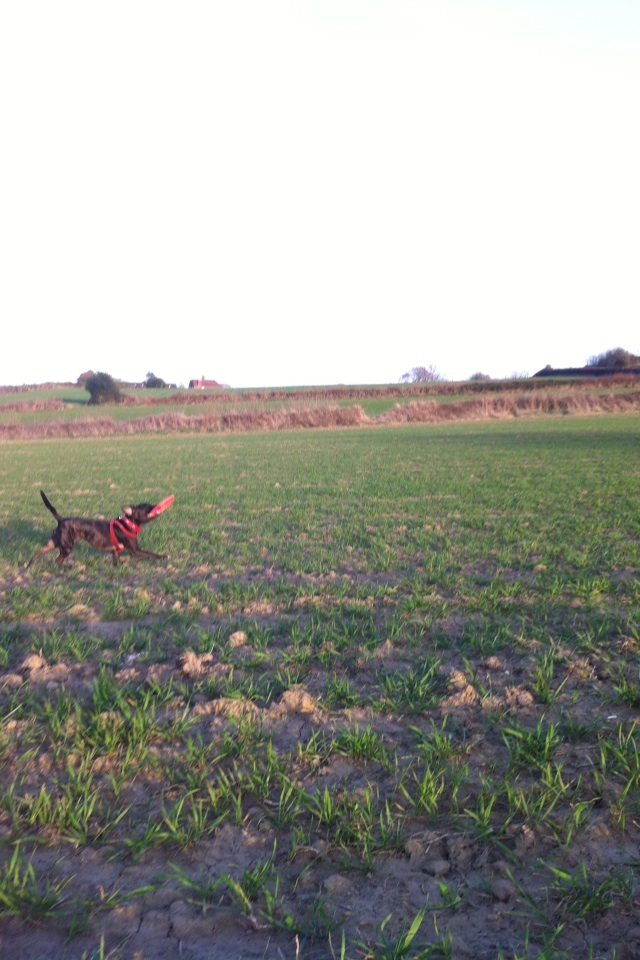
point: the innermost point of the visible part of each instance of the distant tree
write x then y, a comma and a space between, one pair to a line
422, 375
153, 382
479, 376
103, 389
616, 358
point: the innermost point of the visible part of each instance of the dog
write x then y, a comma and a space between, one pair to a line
115, 535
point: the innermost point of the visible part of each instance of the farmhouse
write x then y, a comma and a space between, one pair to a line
202, 384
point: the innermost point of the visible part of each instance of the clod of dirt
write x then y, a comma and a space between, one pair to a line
460, 851
233, 708
466, 696
518, 697
495, 663
525, 841
437, 868
31, 664
385, 650
238, 639
193, 665
337, 885
502, 889
414, 849
296, 700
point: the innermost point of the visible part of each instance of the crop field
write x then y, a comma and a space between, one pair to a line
380, 703
64, 411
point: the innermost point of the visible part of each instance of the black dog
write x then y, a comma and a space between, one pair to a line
117, 535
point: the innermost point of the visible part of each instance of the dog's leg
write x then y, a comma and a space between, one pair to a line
149, 554
47, 547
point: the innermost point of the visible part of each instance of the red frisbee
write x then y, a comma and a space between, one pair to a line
162, 506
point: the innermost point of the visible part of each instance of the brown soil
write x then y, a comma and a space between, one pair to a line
164, 923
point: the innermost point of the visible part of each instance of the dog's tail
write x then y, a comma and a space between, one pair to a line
50, 506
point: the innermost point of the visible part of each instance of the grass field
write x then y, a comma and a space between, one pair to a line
380, 703
37, 413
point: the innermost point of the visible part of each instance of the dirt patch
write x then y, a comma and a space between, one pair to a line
249, 799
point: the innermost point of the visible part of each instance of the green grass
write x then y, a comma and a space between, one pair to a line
436, 660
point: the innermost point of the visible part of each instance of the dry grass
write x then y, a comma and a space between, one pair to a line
32, 406
314, 415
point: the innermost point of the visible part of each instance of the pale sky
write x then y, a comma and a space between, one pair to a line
274, 192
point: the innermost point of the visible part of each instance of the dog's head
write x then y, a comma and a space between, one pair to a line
144, 512
139, 514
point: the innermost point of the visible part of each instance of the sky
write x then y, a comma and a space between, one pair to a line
280, 192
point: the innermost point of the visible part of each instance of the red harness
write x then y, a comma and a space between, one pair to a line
125, 526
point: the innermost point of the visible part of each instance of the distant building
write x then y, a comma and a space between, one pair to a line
203, 384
